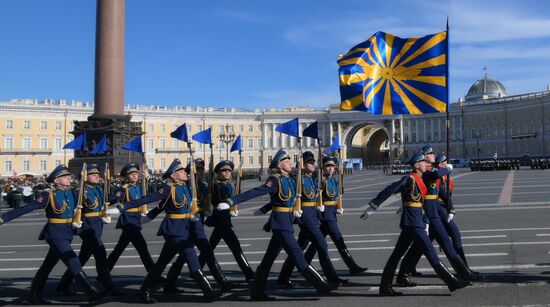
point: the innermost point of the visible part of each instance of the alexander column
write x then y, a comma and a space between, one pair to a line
108, 118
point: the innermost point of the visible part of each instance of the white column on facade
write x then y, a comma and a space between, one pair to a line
339, 131
330, 132
273, 135
264, 135
432, 128
401, 130
392, 137
417, 130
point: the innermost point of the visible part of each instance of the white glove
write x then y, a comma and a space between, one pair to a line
450, 167
76, 225
195, 218
223, 206
106, 220
368, 212
427, 229
451, 217
321, 208
145, 219
297, 213
234, 213
258, 212
340, 211
1, 220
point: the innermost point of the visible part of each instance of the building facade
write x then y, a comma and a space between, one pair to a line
486, 122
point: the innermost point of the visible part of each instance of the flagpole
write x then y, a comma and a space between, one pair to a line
448, 107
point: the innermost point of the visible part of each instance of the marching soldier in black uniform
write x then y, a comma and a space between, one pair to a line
329, 225
199, 238
309, 227
130, 220
222, 191
90, 233
413, 228
176, 199
282, 189
60, 206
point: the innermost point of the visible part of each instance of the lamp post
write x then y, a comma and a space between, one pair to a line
477, 137
226, 137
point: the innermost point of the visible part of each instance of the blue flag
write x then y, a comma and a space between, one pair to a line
237, 145
335, 145
204, 136
311, 131
134, 145
290, 127
388, 75
180, 133
101, 147
77, 144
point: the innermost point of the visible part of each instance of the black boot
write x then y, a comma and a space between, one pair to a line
404, 281
245, 266
463, 270
313, 277
258, 289
330, 272
204, 285
284, 276
107, 282
170, 285
387, 290
84, 283
354, 269
220, 278
462, 256
452, 282
63, 287
37, 285
144, 293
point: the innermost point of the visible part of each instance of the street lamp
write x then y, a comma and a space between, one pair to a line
477, 136
226, 137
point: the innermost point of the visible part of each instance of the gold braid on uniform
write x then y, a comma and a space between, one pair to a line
329, 194
52, 204
174, 200
415, 197
309, 195
281, 195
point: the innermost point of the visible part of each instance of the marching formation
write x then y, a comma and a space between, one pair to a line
310, 196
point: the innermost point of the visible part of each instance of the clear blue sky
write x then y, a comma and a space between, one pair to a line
259, 53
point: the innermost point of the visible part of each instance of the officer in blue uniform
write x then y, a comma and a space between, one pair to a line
413, 229
309, 227
329, 224
441, 228
60, 205
199, 238
222, 191
130, 220
282, 189
175, 198
90, 233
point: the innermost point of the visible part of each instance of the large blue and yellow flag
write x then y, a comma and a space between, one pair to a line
391, 75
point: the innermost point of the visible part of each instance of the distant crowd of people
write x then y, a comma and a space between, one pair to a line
542, 163
494, 165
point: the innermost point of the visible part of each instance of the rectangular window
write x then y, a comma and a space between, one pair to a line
151, 163
250, 128
57, 125
27, 143
241, 128
8, 143
151, 143
222, 129
175, 143
7, 166
27, 124
151, 128
43, 125
26, 166
57, 163
163, 143
250, 160
162, 162
43, 167
259, 142
43, 143
58, 144
250, 143
162, 127
9, 124
260, 160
